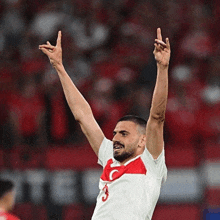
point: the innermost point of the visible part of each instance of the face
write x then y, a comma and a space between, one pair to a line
127, 141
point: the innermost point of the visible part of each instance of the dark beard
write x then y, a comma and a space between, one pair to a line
123, 156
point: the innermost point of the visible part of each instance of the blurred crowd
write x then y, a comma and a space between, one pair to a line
108, 53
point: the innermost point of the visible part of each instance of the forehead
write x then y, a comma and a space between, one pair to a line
126, 126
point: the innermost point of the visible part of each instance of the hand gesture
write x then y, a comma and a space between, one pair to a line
54, 53
161, 50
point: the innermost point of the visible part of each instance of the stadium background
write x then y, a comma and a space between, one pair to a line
107, 51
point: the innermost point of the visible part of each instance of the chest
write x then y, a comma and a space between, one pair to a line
126, 181
114, 172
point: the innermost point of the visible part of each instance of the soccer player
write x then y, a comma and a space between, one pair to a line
133, 162
7, 200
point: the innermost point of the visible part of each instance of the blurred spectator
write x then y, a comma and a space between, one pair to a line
6, 88
106, 66
78, 66
213, 69
33, 66
13, 24
46, 22
124, 88
208, 118
57, 118
106, 42
28, 46
2, 41
27, 115
197, 41
107, 51
148, 73
87, 32
141, 102
183, 105
141, 23
105, 109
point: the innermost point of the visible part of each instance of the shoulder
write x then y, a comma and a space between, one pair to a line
105, 152
146, 156
156, 166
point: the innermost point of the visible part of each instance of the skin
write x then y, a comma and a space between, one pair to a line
153, 138
11, 200
127, 135
7, 201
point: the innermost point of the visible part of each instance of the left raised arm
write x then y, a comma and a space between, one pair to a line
155, 124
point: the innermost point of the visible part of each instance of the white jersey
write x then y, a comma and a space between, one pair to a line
129, 191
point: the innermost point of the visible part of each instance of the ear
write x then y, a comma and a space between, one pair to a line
142, 141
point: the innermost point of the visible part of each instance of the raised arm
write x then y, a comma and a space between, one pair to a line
77, 103
154, 130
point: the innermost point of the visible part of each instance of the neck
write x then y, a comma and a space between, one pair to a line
130, 158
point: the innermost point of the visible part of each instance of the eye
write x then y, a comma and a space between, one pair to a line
114, 133
124, 134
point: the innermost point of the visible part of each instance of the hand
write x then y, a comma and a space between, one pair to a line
161, 50
54, 53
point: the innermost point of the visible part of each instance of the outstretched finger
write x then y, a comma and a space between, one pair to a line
168, 43
59, 39
159, 35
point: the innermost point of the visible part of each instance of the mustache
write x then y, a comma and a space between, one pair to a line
118, 143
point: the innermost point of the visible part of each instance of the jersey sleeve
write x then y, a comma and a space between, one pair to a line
105, 152
156, 166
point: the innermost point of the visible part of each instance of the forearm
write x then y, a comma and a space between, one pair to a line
160, 94
77, 103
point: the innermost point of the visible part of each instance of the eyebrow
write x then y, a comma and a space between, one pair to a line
122, 131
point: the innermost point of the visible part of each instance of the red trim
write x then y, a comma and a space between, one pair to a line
112, 173
8, 216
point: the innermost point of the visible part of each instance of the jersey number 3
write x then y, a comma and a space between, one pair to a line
105, 189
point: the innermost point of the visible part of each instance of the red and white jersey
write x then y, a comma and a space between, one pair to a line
128, 191
7, 216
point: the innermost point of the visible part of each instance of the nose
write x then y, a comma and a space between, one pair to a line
115, 138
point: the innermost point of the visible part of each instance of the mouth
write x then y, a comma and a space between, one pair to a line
118, 146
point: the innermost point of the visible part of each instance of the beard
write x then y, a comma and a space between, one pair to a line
123, 156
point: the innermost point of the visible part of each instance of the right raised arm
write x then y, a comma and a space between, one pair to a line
77, 103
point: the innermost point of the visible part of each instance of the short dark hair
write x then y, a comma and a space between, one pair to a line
136, 119
5, 186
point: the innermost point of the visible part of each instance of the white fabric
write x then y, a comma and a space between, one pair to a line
132, 196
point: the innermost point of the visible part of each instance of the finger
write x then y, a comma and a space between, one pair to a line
168, 43
51, 49
47, 46
59, 39
160, 42
159, 35
157, 47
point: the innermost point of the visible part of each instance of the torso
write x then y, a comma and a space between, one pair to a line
128, 190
